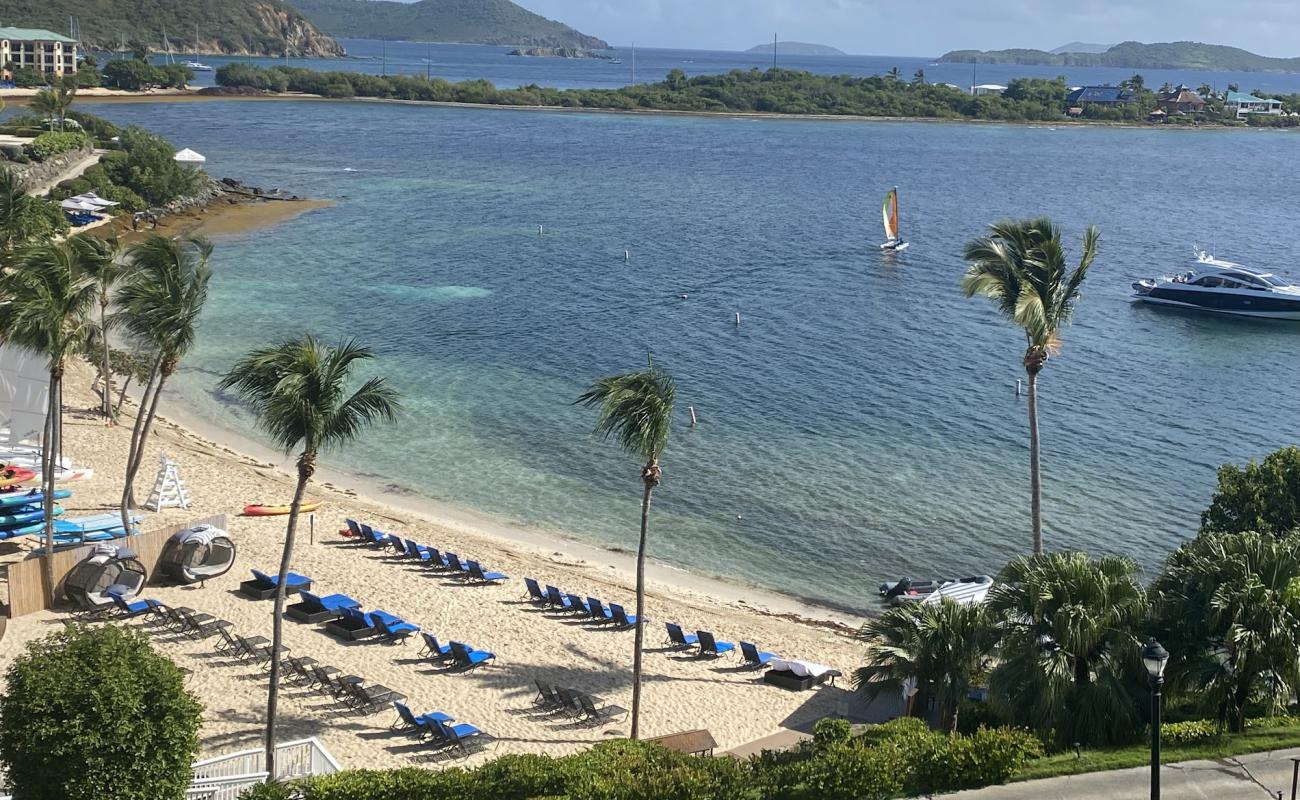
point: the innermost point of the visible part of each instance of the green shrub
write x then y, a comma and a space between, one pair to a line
975, 714
831, 731
146, 165
91, 713
987, 757
1190, 732
904, 728
338, 89
49, 145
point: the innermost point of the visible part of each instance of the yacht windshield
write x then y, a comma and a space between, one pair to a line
1273, 280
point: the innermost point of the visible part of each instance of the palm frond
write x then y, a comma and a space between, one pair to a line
635, 409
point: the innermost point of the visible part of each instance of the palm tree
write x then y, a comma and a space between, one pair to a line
941, 647
298, 390
1230, 612
46, 308
53, 102
1069, 642
22, 217
160, 306
636, 410
1021, 267
103, 260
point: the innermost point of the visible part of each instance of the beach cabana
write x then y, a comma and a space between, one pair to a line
107, 566
198, 554
188, 156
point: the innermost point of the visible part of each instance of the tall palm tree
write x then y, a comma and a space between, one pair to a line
298, 390
46, 308
636, 410
1021, 267
103, 260
54, 101
940, 647
1069, 642
1229, 610
160, 306
22, 217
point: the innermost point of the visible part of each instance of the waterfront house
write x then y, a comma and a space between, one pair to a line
42, 51
1241, 105
987, 89
1181, 101
1099, 96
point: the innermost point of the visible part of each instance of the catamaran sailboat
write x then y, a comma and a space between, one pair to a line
893, 241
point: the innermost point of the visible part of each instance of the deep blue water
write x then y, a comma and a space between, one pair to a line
465, 62
861, 423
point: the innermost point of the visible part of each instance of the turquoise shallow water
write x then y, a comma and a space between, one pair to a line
861, 423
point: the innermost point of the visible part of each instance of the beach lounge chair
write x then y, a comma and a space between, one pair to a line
369, 536
753, 657
621, 618
467, 658
134, 608
461, 736
557, 599
453, 563
577, 605
409, 723
546, 699
437, 561
679, 639
322, 678
352, 624
369, 699
312, 608
433, 649
599, 613
712, 647
397, 543
569, 705
535, 594
298, 670
392, 628
477, 574
262, 586
353, 531
200, 626
596, 714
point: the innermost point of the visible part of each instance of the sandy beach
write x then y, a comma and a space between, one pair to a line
681, 692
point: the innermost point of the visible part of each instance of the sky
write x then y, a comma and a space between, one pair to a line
932, 27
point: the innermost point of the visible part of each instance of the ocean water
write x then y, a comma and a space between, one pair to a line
861, 423
458, 62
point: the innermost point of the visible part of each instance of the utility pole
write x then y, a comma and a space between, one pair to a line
774, 51
634, 63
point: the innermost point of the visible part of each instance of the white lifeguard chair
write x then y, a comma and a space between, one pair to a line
168, 489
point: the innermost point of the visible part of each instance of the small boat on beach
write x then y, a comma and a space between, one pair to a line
962, 590
258, 510
1223, 287
910, 588
889, 211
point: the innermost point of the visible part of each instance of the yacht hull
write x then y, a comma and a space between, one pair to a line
1260, 307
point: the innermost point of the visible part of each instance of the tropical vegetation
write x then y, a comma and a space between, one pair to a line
1136, 55
1021, 266
24, 219
300, 391
1261, 496
136, 74
636, 410
95, 712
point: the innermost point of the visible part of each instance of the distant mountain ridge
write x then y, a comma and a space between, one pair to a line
231, 27
465, 21
1081, 47
1136, 55
797, 49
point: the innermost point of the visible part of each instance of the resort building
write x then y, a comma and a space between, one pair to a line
1241, 105
1182, 101
43, 51
988, 88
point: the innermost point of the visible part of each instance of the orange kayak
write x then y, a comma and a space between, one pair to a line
12, 476
277, 511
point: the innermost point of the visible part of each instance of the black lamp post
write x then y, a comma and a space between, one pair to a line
1154, 657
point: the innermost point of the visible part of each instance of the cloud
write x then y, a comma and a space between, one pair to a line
1270, 27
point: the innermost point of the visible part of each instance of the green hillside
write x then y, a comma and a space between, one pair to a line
1136, 55
265, 27
468, 21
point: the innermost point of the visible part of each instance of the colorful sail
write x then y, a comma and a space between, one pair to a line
890, 213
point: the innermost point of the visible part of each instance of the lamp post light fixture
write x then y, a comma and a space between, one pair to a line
1154, 658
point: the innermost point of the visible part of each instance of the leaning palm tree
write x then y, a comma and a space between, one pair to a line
636, 410
23, 218
1021, 267
298, 389
1070, 631
938, 649
103, 260
160, 306
45, 307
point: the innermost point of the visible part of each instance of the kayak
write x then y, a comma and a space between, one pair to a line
19, 517
12, 476
32, 498
278, 511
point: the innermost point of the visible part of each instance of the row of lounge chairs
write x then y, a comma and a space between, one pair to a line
570, 604
708, 645
467, 570
456, 655
441, 731
578, 706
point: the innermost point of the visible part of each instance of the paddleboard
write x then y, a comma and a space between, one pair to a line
32, 498
20, 517
277, 511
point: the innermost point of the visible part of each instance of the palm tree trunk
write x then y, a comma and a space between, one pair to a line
107, 367
640, 611
277, 616
128, 496
1035, 473
144, 437
121, 396
48, 463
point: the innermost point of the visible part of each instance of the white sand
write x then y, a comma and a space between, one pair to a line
681, 693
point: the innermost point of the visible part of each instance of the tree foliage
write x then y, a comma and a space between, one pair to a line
91, 713
147, 166
1261, 496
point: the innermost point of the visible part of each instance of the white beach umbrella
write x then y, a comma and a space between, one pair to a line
188, 156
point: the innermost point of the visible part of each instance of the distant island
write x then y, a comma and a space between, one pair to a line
1136, 55
797, 49
559, 52
225, 27
464, 21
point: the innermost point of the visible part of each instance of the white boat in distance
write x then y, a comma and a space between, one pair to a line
198, 66
1223, 287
